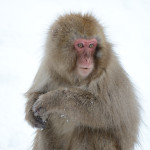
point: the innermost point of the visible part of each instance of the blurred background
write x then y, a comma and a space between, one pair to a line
23, 29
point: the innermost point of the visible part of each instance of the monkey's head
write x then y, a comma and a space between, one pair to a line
77, 47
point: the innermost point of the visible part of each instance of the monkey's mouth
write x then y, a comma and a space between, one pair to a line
84, 68
84, 71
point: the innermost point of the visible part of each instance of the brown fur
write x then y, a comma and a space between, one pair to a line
99, 112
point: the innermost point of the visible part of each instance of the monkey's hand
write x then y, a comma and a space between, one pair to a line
47, 104
34, 121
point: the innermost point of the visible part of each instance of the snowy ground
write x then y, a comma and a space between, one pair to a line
23, 28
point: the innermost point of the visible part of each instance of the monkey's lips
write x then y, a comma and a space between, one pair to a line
85, 68
85, 71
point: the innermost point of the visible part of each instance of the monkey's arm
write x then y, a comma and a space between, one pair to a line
78, 106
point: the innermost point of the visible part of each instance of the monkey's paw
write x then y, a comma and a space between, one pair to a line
35, 121
40, 112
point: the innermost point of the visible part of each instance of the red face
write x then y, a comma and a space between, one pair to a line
85, 51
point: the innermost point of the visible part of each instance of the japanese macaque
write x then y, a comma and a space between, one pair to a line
81, 97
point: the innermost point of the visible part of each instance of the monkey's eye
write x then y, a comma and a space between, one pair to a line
91, 45
80, 45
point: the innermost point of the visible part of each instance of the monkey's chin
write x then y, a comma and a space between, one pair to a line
84, 72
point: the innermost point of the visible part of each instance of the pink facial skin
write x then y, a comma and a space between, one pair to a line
85, 51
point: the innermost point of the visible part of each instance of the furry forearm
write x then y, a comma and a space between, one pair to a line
81, 107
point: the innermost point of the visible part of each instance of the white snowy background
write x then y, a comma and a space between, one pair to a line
23, 28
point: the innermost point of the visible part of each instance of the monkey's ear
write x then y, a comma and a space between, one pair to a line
103, 50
